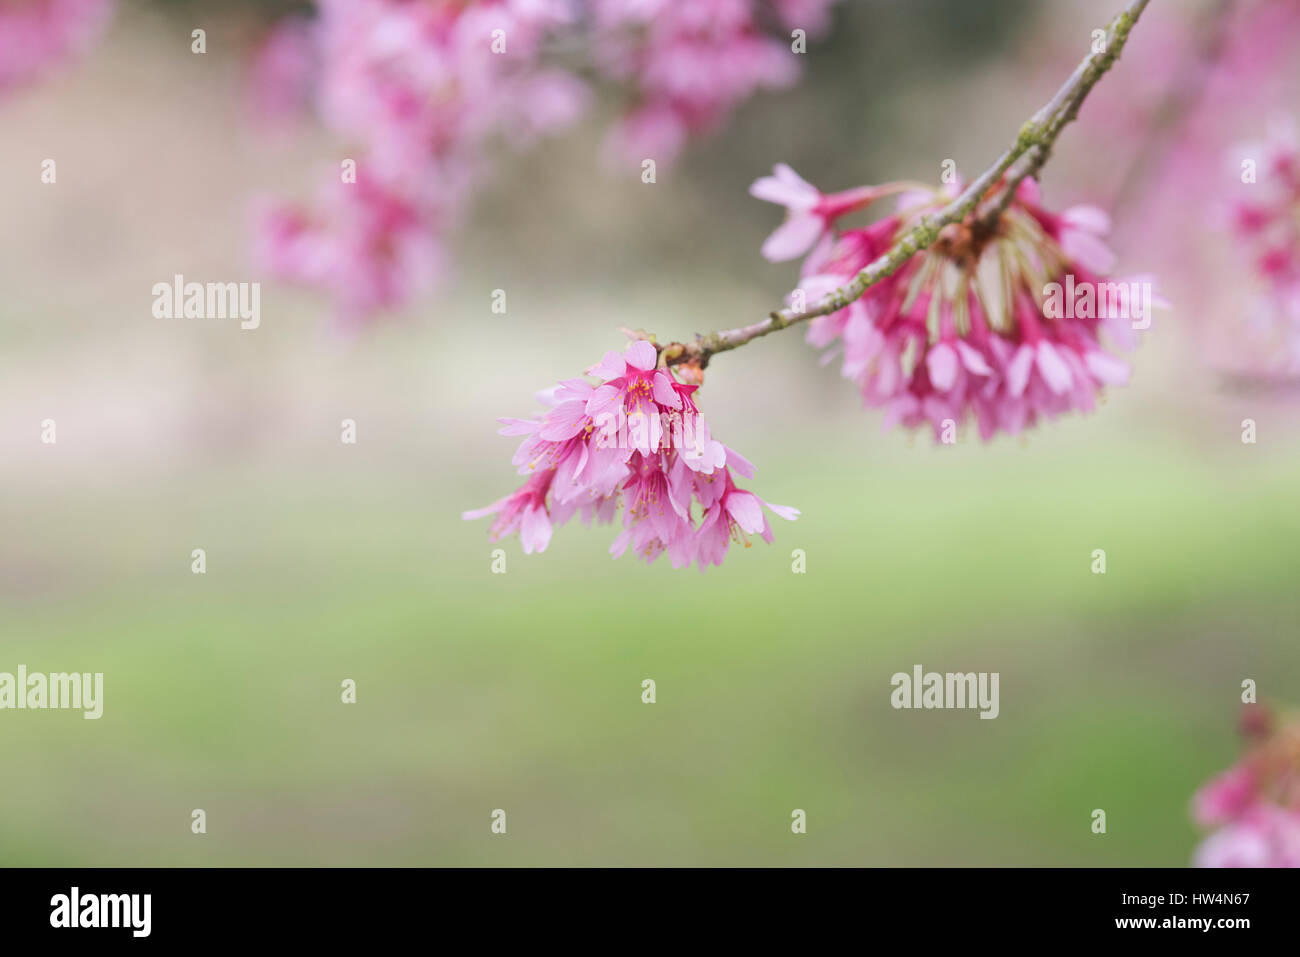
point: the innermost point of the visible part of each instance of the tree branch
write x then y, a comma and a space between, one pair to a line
1027, 154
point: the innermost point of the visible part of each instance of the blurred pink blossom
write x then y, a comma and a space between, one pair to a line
38, 34
689, 65
1266, 220
422, 92
371, 247
420, 89
1263, 836
282, 71
1195, 80
1224, 797
1254, 805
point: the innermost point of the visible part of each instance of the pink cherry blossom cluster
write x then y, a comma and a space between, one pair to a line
1268, 222
1254, 807
961, 328
36, 34
421, 90
637, 439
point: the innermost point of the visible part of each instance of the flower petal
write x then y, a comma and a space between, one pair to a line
745, 510
785, 188
785, 511
664, 392
641, 355
535, 531
941, 363
1106, 368
742, 465
611, 366
793, 238
1091, 218
1053, 368
973, 359
1018, 369
1087, 250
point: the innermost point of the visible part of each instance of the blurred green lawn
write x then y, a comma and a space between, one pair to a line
522, 691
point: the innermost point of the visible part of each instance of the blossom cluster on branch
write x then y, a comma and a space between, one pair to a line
940, 312
636, 440
966, 327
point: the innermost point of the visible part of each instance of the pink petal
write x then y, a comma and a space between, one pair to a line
793, 238
511, 426
941, 362
745, 510
785, 511
621, 542
574, 389
1029, 191
786, 188
1090, 218
1087, 250
664, 392
485, 510
641, 355
742, 465
1018, 370
973, 359
611, 366
535, 531
604, 399
564, 421
1053, 369
820, 254
1106, 368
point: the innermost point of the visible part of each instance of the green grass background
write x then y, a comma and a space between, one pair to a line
522, 691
